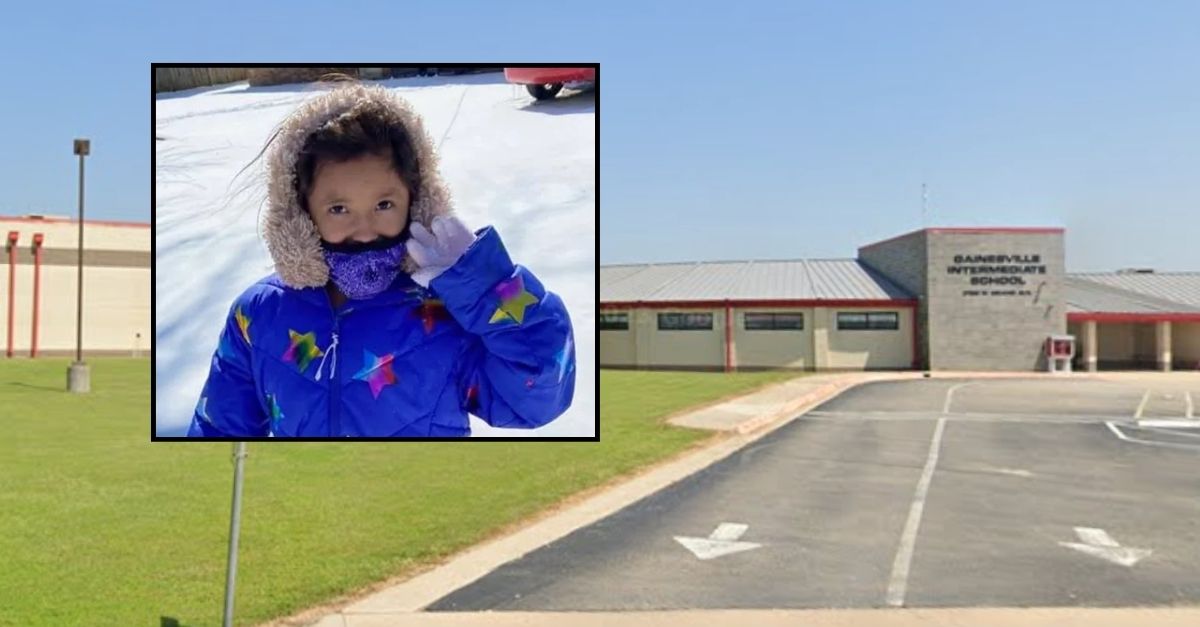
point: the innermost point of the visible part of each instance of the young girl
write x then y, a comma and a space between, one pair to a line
386, 316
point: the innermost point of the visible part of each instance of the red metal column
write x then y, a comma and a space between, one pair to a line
916, 341
728, 338
37, 289
12, 277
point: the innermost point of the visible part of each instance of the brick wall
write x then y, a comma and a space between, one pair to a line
993, 326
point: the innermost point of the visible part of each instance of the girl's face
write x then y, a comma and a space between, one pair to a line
359, 200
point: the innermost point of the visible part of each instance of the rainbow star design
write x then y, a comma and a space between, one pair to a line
376, 372
303, 349
276, 412
563, 359
429, 312
513, 300
243, 322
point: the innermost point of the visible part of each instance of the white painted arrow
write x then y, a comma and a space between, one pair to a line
1097, 543
722, 541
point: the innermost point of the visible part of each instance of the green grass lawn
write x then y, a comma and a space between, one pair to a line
100, 526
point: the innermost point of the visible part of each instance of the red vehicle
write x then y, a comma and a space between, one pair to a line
545, 82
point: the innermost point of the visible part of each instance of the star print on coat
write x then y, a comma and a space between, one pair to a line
276, 412
563, 358
376, 371
302, 350
243, 322
429, 312
513, 300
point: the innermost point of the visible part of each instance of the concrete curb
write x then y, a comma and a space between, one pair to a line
819, 395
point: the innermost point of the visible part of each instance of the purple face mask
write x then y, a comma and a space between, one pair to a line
363, 270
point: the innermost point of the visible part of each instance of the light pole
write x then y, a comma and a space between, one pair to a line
235, 524
78, 376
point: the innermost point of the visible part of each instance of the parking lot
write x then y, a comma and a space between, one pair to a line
920, 493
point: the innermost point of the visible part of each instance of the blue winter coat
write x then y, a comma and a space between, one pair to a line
486, 338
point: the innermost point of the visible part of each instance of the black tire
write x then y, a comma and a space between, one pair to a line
544, 92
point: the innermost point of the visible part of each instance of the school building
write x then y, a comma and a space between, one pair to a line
933, 299
38, 300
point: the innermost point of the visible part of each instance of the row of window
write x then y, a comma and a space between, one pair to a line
846, 321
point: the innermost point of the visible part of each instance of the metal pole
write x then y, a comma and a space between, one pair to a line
78, 376
79, 298
239, 455
924, 202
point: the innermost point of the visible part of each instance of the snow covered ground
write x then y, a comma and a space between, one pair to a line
527, 168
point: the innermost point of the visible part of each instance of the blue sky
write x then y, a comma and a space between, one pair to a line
728, 131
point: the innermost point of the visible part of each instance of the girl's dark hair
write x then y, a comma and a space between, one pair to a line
348, 137
344, 138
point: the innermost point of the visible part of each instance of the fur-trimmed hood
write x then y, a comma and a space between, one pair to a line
291, 235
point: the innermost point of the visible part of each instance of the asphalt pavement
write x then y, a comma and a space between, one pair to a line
918, 493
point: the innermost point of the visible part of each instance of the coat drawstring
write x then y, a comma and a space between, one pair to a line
333, 364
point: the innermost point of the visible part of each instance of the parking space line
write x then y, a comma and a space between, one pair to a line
950, 395
899, 581
1177, 423
898, 584
1142, 405
1187, 399
959, 417
1172, 432
1117, 432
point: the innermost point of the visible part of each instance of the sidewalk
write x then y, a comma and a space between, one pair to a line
743, 420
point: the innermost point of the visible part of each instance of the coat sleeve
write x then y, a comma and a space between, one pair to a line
518, 370
229, 405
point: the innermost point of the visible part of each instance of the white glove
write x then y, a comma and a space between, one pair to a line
435, 252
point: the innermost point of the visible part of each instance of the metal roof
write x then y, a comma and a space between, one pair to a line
800, 279
1175, 289
1083, 295
848, 279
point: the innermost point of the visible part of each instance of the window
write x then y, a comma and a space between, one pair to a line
774, 321
883, 320
872, 320
614, 322
850, 321
685, 322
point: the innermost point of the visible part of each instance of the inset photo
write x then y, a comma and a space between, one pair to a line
397, 252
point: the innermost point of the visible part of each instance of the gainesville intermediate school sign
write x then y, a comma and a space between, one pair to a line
997, 270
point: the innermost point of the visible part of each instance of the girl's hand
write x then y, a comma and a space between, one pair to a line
435, 252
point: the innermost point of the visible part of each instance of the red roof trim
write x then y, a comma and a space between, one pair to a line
1106, 316
713, 304
145, 225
